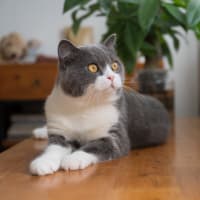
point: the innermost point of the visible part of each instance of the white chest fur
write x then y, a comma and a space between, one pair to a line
75, 118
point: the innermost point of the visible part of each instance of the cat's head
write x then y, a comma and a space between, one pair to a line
96, 68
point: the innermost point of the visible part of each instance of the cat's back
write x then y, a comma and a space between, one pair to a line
148, 120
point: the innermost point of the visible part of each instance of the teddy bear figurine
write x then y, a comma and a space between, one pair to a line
14, 48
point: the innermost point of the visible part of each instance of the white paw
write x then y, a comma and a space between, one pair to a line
78, 160
44, 165
40, 133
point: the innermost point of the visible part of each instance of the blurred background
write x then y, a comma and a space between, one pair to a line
157, 41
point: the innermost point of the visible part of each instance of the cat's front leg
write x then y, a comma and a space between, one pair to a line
95, 151
50, 160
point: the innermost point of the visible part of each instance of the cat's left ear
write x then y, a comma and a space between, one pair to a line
110, 41
67, 50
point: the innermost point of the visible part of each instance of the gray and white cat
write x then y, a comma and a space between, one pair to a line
90, 116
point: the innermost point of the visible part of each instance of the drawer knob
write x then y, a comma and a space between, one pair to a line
36, 83
17, 77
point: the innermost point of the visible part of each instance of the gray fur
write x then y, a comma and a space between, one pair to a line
60, 140
73, 73
143, 120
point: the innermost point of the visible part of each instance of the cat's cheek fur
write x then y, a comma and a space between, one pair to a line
49, 162
78, 160
117, 82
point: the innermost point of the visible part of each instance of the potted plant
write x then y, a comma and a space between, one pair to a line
140, 25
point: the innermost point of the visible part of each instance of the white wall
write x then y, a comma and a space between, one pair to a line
43, 19
187, 77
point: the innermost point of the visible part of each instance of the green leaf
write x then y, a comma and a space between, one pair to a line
197, 31
128, 59
176, 42
193, 13
105, 5
148, 9
77, 20
173, 34
175, 12
134, 37
127, 10
180, 34
167, 52
129, 1
70, 4
148, 49
181, 3
129, 39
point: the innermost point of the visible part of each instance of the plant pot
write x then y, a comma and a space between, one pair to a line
152, 80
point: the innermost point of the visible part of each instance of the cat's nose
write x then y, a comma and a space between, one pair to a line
110, 78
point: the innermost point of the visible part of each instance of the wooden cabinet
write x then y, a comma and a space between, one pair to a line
27, 81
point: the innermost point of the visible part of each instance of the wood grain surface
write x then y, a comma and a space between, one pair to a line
167, 172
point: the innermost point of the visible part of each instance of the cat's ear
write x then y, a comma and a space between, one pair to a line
66, 50
110, 41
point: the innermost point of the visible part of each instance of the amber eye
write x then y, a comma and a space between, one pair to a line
92, 68
115, 66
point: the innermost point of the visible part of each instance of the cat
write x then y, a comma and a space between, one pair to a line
90, 116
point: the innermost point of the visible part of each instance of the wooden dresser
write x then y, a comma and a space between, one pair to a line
27, 81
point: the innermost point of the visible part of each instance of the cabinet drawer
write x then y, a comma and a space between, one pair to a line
27, 82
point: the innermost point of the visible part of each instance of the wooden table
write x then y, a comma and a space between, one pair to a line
167, 172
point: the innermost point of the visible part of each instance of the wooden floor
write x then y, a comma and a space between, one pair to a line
167, 172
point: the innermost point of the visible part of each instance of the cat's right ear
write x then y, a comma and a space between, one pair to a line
66, 50
110, 41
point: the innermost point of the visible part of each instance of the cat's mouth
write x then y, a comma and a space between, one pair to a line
112, 88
